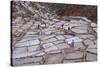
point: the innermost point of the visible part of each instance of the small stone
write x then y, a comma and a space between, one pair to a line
93, 24
31, 9
55, 20
43, 25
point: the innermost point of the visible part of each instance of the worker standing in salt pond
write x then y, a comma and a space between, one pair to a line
38, 26
72, 44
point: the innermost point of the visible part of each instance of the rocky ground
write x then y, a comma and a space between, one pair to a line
45, 38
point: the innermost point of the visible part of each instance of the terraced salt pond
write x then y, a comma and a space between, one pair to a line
44, 38
43, 45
